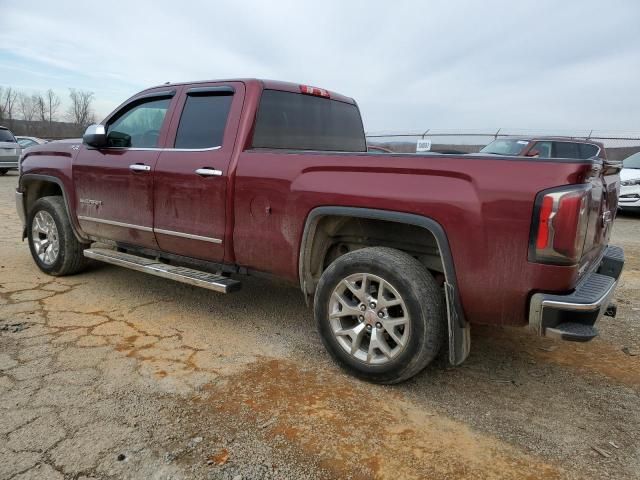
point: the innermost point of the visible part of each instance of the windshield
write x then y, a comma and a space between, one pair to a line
6, 136
632, 162
505, 147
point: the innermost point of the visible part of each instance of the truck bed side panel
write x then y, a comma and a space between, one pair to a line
484, 205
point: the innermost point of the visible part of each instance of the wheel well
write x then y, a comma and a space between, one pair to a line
335, 235
37, 189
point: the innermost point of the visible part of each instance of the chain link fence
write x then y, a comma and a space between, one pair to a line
619, 145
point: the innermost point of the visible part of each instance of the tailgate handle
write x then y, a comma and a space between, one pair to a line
209, 172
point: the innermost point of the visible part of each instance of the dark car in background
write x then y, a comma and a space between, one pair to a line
9, 151
546, 147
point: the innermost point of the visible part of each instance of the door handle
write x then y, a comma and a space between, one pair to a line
139, 167
209, 172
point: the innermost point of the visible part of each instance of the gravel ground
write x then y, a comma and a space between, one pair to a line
114, 374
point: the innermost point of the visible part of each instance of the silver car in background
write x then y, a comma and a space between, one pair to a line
10, 151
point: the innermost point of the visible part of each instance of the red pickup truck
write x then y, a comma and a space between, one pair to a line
204, 182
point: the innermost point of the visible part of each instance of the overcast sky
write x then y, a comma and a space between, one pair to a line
411, 65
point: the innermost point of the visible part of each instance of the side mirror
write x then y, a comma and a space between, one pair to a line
95, 136
533, 153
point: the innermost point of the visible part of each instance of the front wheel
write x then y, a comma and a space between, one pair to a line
53, 245
3, 171
380, 314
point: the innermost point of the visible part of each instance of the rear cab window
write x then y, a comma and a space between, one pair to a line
296, 121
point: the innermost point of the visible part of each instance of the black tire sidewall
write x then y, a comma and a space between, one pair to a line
46, 205
414, 301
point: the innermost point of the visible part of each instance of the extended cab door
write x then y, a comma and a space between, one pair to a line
114, 185
190, 182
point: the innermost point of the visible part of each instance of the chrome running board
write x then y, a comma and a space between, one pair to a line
210, 281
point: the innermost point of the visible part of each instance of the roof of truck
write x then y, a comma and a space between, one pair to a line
265, 83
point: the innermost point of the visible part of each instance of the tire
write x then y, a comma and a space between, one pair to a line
69, 258
420, 339
3, 171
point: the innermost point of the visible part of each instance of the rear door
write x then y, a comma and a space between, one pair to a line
191, 176
114, 184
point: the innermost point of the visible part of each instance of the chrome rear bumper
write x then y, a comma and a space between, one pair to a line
584, 306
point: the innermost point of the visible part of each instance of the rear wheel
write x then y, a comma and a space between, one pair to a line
380, 314
53, 245
3, 171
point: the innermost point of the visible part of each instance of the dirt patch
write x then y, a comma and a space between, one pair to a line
362, 431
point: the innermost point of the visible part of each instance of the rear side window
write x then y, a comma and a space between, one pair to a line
295, 121
6, 136
588, 151
203, 119
566, 150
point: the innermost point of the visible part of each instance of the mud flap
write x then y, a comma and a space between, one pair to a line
459, 329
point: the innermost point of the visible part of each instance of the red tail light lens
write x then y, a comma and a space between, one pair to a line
560, 224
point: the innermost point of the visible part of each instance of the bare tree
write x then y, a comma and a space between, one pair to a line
40, 107
80, 111
53, 105
27, 107
8, 104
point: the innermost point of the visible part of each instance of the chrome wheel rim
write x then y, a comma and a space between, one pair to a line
369, 318
44, 235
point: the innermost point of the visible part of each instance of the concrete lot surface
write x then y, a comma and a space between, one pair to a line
114, 374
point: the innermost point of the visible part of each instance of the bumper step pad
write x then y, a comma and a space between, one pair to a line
572, 332
210, 281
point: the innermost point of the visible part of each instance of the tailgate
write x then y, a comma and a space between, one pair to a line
604, 205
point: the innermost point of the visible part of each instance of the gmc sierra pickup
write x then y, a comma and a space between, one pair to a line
204, 182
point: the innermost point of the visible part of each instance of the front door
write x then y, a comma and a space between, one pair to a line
190, 180
114, 185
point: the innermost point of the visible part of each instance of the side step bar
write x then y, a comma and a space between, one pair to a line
217, 283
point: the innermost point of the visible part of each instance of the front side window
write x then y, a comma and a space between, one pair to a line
566, 150
543, 149
139, 127
203, 120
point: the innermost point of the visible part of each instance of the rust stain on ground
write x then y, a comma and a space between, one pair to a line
355, 434
220, 458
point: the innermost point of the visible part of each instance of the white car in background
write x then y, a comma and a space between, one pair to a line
26, 142
630, 183
10, 151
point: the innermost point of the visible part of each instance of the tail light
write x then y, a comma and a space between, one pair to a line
560, 220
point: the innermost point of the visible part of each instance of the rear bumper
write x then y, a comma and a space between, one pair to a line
584, 306
6, 163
